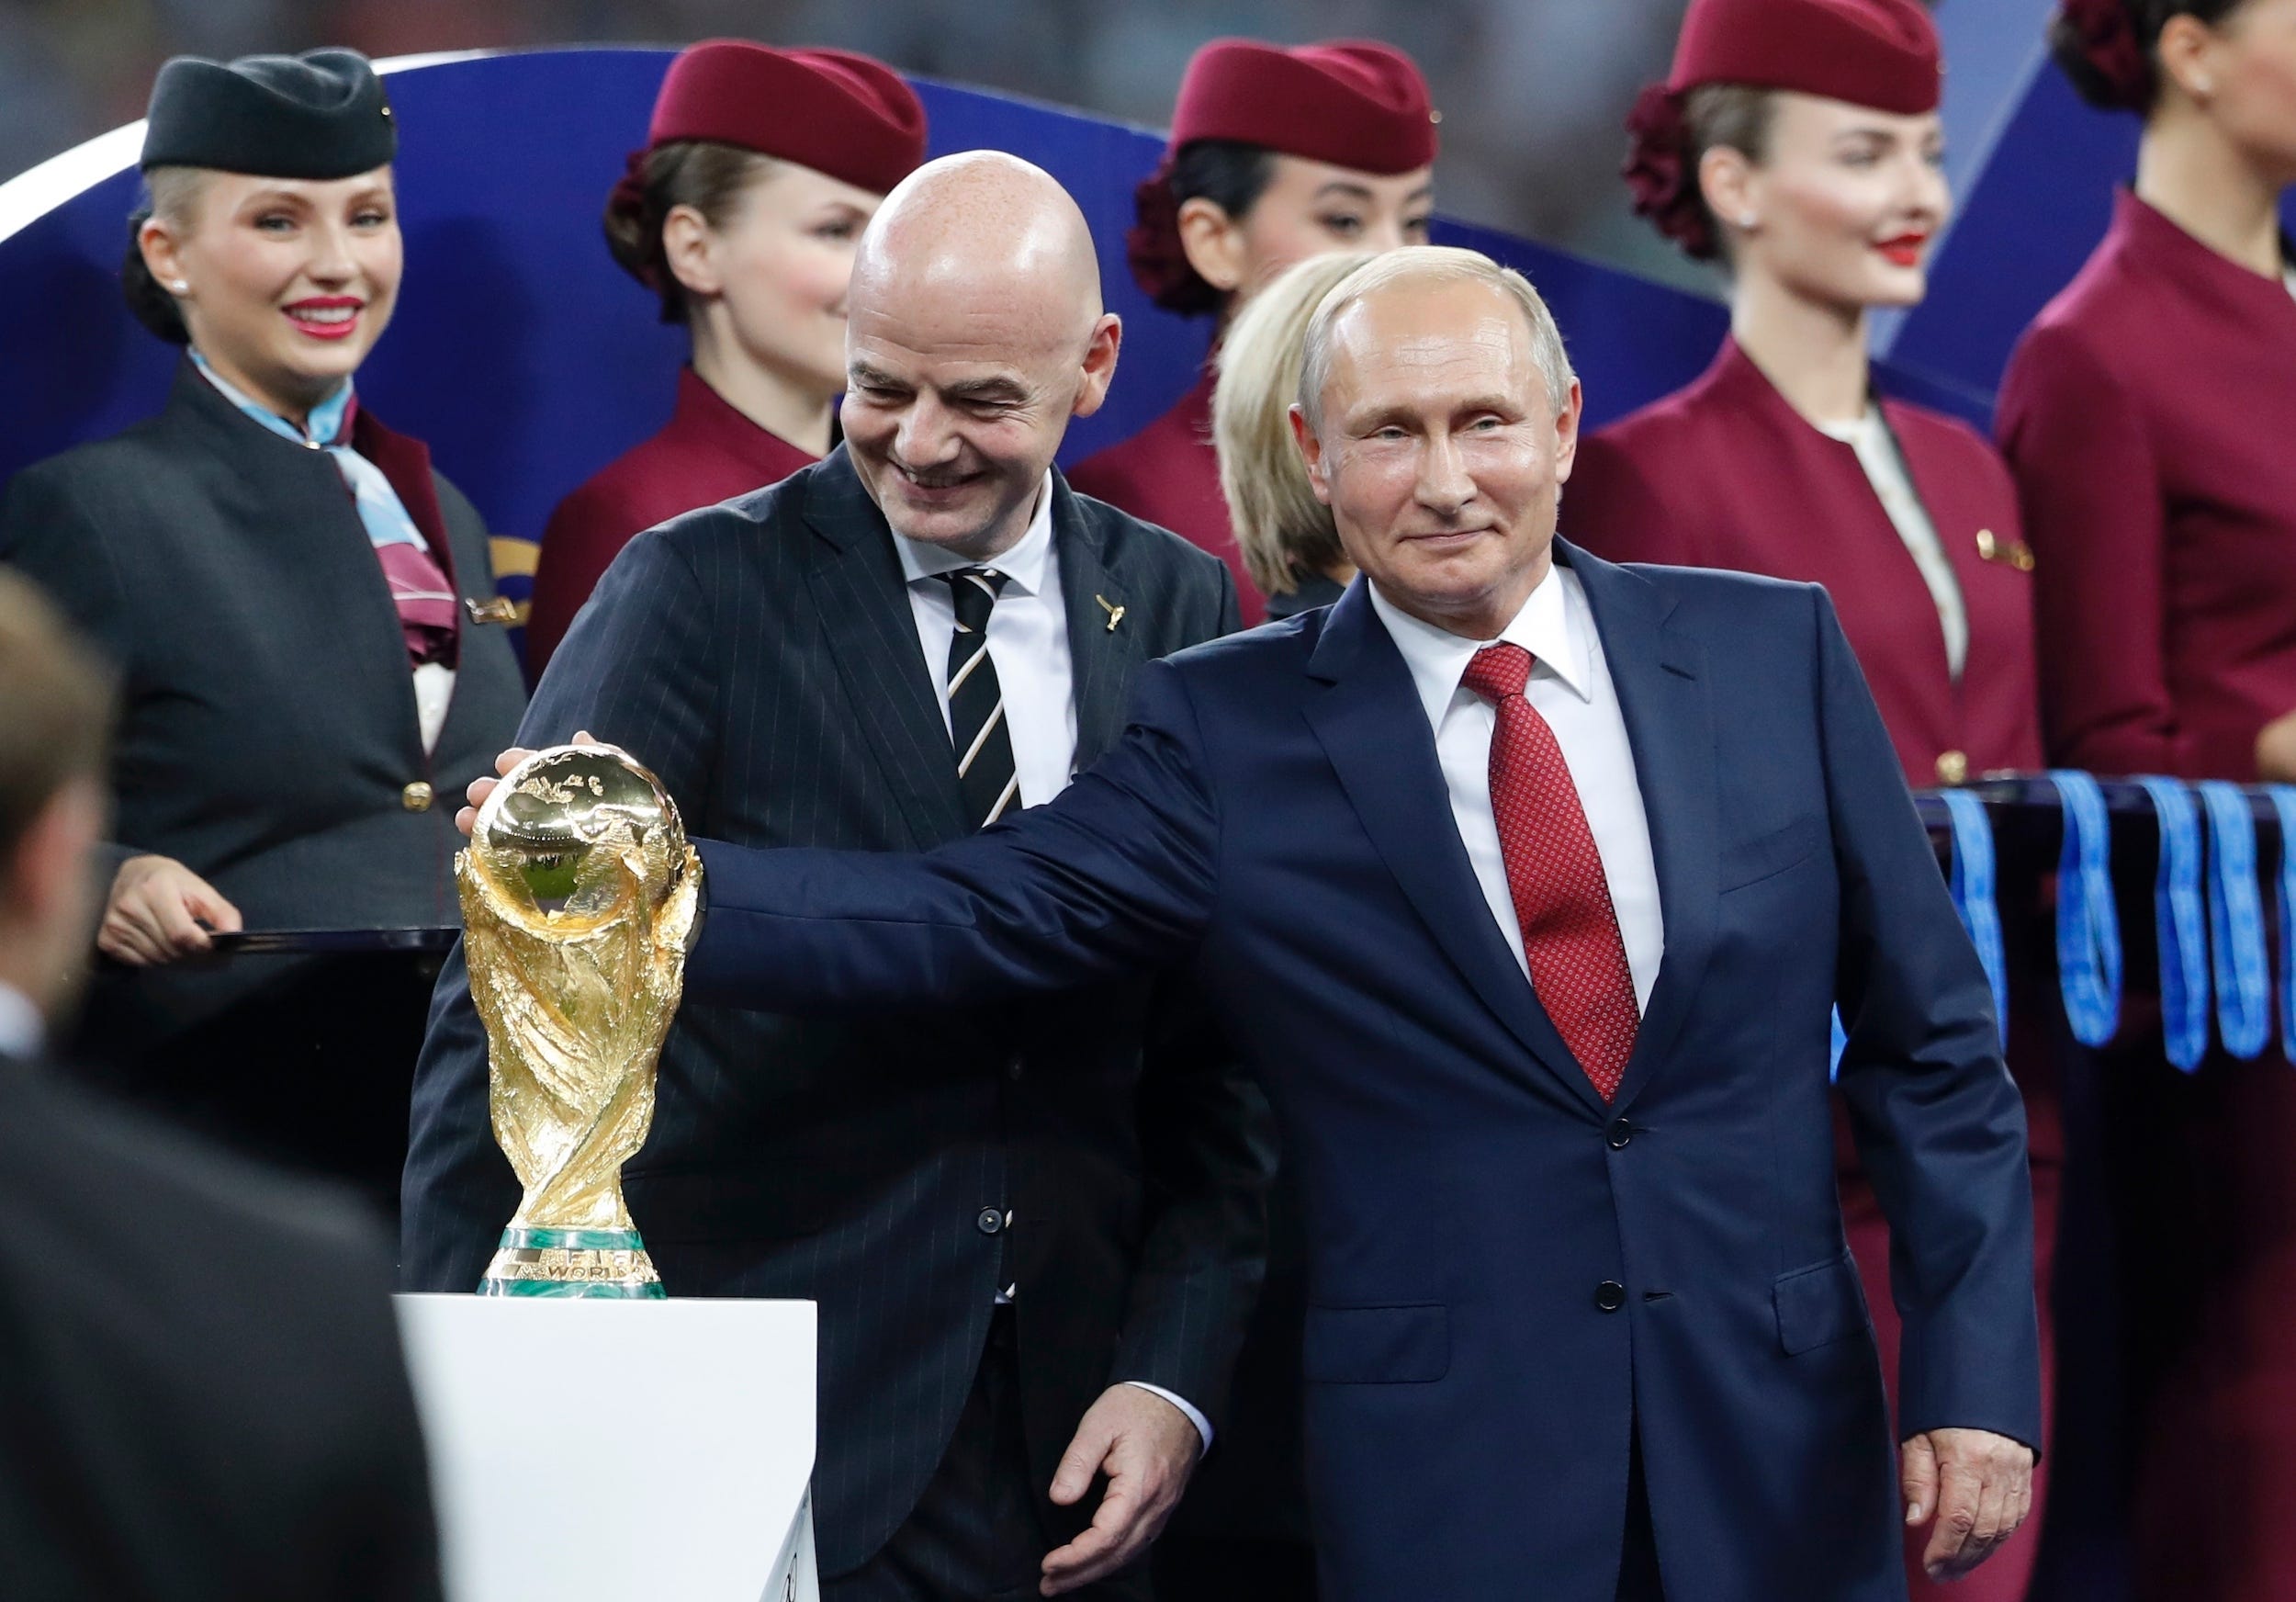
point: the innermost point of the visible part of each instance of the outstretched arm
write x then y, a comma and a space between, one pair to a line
1115, 877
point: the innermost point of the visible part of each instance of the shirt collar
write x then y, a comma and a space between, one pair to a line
22, 1032
327, 421
1552, 626
1023, 565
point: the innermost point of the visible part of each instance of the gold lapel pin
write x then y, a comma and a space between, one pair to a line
2015, 553
1115, 612
500, 609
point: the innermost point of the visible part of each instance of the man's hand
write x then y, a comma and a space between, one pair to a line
1978, 1486
158, 911
467, 819
1148, 1449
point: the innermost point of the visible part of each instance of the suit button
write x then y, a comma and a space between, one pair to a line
1619, 1135
1015, 1069
990, 1220
1953, 768
1610, 1296
416, 798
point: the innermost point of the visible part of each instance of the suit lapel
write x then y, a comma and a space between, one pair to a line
1663, 695
870, 634
1104, 630
1374, 730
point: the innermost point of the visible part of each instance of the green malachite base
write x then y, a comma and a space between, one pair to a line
606, 1263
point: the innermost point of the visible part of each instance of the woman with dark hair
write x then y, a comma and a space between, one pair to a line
292, 596
761, 168
1274, 155
2148, 414
1797, 145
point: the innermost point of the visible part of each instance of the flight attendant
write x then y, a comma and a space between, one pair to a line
2147, 414
296, 602
1797, 145
1274, 155
760, 169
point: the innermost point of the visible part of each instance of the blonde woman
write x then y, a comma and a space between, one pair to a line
1289, 542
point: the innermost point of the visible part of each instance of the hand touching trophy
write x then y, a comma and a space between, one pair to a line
578, 891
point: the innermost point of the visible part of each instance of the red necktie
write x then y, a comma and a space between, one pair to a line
1570, 939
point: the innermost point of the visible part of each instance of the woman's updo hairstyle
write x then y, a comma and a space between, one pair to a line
1671, 135
171, 194
2108, 47
708, 176
1229, 174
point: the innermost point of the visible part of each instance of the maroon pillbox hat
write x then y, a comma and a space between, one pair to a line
1353, 103
845, 115
1878, 53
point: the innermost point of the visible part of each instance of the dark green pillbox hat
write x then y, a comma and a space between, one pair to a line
319, 115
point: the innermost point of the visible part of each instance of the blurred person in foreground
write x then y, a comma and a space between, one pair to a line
1033, 1233
1529, 883
741, 215
1797, 145
201, 1391
1275, 154
292, 596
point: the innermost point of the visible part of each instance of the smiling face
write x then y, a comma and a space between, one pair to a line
288, 282
1844, 206
775, 275
1439, 452
977, 333
1309, 208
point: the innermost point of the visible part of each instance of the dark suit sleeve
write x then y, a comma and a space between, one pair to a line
634, 672
1937, 1122
1114, 877
1208, 1156
1231, 610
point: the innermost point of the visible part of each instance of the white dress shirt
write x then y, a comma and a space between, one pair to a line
1570, 688
1886, 470
1028, 643
23, 1034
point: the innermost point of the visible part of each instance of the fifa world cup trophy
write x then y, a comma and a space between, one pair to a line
578, 891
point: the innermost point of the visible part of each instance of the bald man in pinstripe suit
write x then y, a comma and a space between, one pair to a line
1035, 1233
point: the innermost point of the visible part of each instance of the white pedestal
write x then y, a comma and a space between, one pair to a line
617, 1451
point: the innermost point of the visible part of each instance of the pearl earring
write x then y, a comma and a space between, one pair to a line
1746, 220
180, 286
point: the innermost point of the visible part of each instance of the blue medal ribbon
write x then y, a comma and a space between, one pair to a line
2182, 924
2283, 799
2243, 999
1973, 879
2089, 926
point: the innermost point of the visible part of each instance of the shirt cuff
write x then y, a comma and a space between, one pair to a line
1203, 1424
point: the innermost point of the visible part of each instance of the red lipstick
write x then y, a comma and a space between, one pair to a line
1905, 250
327, 317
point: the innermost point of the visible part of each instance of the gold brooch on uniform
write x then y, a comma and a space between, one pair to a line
2015, 552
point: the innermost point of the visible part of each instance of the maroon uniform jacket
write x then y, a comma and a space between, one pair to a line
1726, 474
2150, 417
708, 453
1168, 473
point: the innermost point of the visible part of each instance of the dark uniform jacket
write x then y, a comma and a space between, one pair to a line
904, 1167
268, 737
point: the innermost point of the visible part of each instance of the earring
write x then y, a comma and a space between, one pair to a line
179, 286
1747, 219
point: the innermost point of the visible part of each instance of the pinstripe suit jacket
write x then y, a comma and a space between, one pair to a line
762, 658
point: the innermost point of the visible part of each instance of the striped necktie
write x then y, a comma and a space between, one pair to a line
985, 773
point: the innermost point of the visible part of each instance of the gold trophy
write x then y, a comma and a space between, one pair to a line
577, 894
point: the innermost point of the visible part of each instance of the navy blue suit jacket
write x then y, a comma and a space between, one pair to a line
1475, 1211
